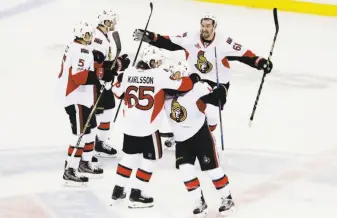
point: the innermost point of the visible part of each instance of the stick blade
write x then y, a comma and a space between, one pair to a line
115, 36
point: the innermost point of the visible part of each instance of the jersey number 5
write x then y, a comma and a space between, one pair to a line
140, 94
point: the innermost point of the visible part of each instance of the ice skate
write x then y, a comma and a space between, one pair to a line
72, 179
118, 195
200, 210
94, 160
90, 170
227, 206
102, 149
139, 200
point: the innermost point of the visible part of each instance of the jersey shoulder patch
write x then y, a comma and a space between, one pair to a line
98, 41
85, 51
229, 40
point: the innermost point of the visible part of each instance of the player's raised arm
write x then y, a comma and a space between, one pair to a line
171, 43
236, 52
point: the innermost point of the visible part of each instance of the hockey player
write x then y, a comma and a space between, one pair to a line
75, 90
186, 114
103, 46
144, 100
200, 53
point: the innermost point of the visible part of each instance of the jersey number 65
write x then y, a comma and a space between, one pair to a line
140, 94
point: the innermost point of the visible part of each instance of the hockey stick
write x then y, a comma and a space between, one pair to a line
134, 60
264, 74
116, 37
218, 85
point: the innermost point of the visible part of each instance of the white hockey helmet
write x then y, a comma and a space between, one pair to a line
107, 15
84, 30
152, 54
178, 69
210, 16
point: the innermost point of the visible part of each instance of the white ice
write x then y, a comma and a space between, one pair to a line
284, 166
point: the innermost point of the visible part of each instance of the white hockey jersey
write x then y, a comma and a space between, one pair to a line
185, 118
77, 61
201, 57
104, 43
144, 98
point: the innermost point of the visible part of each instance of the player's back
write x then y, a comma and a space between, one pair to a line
77, 61
184, 115
144, 100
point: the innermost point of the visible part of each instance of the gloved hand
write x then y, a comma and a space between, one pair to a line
263, 64
106, 75
194, 77
123, 62
148, 37
120, 77
218, 94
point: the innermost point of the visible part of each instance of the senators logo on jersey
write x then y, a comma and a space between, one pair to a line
178, 112
176, 76
203, 65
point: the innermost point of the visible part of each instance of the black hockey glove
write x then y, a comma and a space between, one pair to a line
105, 73
195, 78
98, 56
218, 94
148, 37
123, 62
262, 64
120, 77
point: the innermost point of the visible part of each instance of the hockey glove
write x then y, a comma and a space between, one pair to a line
194, 77
105, 72
263, 64
120, 77
148, 37
106, 75
123, 62
218, 94
98, 56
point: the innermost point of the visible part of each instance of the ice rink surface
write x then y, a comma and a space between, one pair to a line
284, 166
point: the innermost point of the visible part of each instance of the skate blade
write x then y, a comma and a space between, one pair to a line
138, 205
73, 184
226, 213
103, 155
115, 202
92, 176
203, 214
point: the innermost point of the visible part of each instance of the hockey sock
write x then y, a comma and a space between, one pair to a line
124, 169
144, 174
74, 162
105, 125
89, 146
191, 181
220, 181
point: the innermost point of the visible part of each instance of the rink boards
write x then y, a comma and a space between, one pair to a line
318, 7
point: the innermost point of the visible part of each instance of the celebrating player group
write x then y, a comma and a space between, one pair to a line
188, 93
